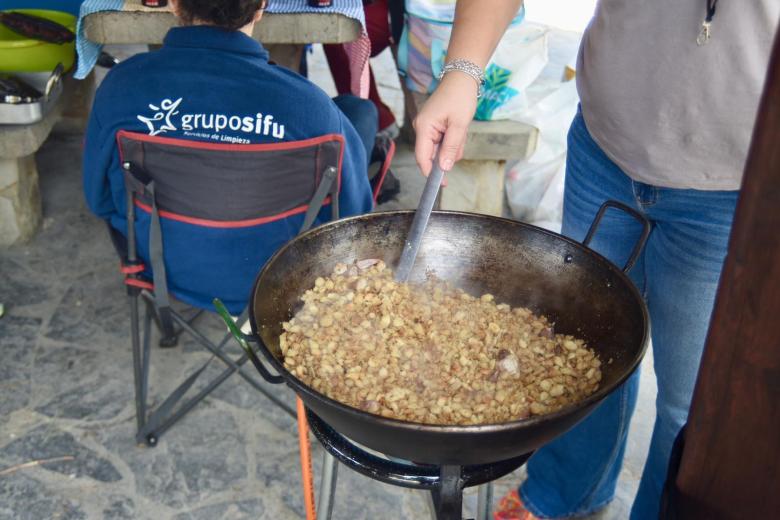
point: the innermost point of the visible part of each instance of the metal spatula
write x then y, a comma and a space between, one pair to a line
420, 222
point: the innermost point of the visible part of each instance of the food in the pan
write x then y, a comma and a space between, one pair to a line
431, 353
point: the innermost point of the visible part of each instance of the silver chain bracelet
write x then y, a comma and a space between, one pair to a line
467, 67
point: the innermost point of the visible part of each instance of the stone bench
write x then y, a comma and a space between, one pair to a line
20, 200
476, 183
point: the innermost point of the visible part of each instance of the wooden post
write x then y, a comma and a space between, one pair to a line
730, 463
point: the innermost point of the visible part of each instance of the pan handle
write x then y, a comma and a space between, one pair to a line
244, 341
640, 244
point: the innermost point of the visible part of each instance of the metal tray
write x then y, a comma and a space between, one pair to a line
28, 113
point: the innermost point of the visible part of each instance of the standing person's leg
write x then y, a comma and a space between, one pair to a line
378, 25
338, 63
683, 261
378, 29
577, 473
362, 114
386, 117
682, 264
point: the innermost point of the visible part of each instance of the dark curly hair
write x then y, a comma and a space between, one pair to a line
227, 14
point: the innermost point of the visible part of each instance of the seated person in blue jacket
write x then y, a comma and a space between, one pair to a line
207, 71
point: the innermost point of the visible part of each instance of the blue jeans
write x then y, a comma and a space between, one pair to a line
678, 273
363, 116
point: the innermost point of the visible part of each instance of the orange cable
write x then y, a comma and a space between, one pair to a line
306, 473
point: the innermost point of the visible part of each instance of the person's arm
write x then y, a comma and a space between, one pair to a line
97, 158
445, 117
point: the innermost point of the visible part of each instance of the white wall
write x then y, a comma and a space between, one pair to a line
570, 15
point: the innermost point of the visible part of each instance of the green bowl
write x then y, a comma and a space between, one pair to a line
20, 54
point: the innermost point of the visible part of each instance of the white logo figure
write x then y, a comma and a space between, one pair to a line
162, 113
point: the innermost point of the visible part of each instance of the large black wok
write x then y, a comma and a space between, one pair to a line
522, 265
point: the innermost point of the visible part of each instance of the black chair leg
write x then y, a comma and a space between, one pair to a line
146, 353
184, 408
169, 336
153, 423
169, 341
234, 365
141, 351
140, 401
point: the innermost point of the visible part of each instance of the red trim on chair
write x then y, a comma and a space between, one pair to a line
285, 145
132, 269
230, 147
228, 223
385, 168
134, 282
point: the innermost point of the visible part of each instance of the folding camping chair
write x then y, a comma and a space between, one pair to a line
172, 186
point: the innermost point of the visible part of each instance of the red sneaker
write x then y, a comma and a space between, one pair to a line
512, 508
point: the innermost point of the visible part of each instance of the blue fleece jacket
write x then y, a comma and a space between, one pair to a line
178, 91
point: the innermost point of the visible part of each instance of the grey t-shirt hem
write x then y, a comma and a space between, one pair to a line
710, 184
669, 112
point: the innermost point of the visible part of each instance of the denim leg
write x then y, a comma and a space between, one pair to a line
678, 272
577, 473
363, 116
683, 260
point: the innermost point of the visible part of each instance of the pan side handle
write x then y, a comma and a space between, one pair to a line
244, 340
640, 243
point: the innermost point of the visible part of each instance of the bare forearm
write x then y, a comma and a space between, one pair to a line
479, 25
445, 117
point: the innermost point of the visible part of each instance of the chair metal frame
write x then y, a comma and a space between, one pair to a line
151, 424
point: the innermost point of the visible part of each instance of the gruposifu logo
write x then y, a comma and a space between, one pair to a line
195, 124
162, 116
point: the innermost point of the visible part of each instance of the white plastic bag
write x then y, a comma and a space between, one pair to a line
520, 57
534, 186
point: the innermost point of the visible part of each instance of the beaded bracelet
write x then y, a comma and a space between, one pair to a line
467, 67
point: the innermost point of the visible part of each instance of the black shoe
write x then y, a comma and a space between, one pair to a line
384, 185
390, 188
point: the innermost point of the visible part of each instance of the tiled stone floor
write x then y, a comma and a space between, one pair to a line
66, 393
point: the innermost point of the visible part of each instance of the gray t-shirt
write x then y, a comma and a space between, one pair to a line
667, 111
